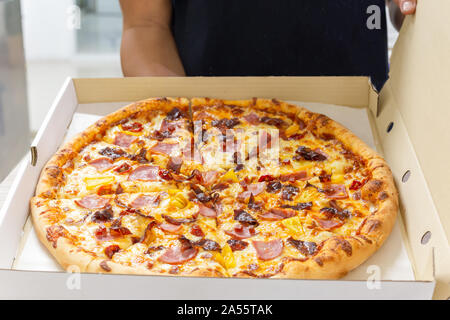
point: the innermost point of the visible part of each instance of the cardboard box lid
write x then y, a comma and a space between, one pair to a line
419, 88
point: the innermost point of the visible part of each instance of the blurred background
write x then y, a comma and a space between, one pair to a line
41, 43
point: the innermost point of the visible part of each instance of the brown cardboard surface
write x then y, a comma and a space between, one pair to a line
418, 96
420, 81
348, 91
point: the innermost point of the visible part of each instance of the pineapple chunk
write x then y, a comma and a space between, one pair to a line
179, 201
95, 182
228, 257
230, 176
337, 178
292, 129
208, 223
310, 194
294, 225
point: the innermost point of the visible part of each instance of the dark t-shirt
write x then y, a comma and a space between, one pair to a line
286, 37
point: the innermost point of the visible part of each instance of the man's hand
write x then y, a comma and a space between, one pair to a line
399, 8
148, 47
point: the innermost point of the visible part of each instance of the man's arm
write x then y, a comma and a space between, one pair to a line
148, 47
398, 9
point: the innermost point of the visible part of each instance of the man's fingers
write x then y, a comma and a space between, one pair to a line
406, 6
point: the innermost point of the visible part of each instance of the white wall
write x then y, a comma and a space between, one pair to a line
45, 29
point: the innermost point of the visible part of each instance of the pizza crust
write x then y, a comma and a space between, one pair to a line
338, 254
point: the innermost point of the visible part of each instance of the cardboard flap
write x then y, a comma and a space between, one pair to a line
419, 89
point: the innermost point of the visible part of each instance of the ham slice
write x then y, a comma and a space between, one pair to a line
265, 140
254, 188
252, 118
124, 140
164, 148
209, 177
171, 125
168, 227
336, 191
292, 177
177, 255
145, 173
144, 201
278, 214
328, 224
206, 212
101, 164
92, 202
241, 232
268, 250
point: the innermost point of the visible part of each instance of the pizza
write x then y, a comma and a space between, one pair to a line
206, 187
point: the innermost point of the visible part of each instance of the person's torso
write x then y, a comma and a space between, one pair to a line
287, 37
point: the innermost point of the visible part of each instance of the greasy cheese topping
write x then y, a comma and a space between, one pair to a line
254, 191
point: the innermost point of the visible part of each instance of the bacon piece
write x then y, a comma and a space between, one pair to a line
307, 154
141, 156
268, 250
144, 201
175, 114
168, 227
299, 206
119, 231
124, 140
335, 191
123, 168
328, 224
208, 245
292, 177
277, 122
103, 215
274, 186
244, 217
177, 255
206, 212
113, 153
237, 245
146, 173
241, 232
133, 127
177, 221
197, 231
101, 233
92, 202
148, 235
278, 214
252, 118
266, 177
356, 185
289, 191
101, 164
175, 164
111, 250
307, 248
54, 232
164, 148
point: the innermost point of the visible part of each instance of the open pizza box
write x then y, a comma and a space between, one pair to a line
406, 122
